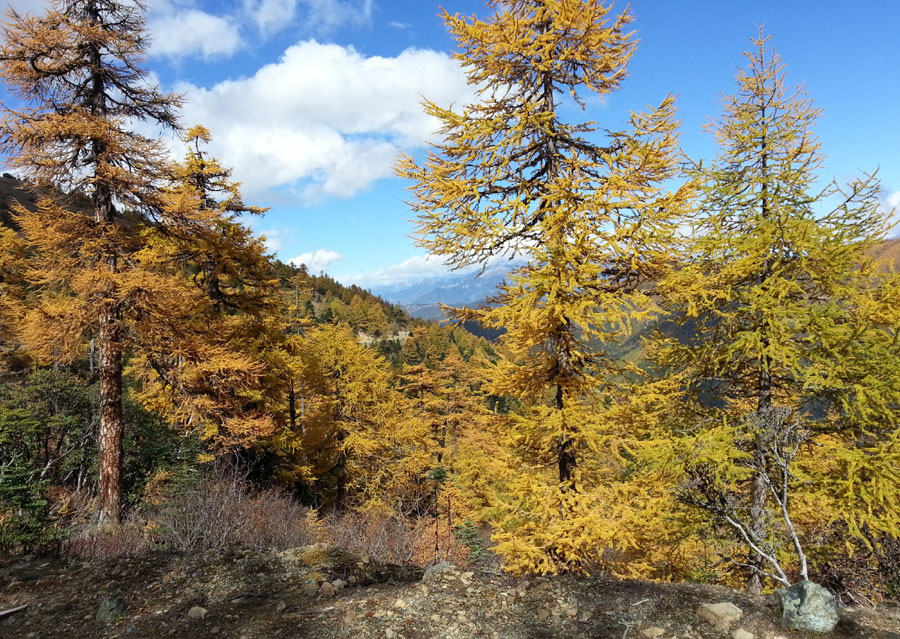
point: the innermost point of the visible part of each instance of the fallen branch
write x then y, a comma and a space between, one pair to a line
3, 613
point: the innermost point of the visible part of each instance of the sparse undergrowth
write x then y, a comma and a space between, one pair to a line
317, 591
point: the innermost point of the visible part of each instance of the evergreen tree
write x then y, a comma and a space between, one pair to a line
78, 67
594, 221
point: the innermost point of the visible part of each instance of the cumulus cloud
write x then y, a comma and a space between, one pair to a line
317, 261
179, 31
324, 118
176, 27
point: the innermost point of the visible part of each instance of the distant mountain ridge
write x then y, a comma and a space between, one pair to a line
422, 298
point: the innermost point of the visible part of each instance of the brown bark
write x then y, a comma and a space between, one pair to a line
112, 422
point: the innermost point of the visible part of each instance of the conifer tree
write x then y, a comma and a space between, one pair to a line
348, 402
794, 329
220, 369
78, 68
594, 221
12, 255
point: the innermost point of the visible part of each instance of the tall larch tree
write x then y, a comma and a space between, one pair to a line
594, 220
78, 70
793, 330
219, 370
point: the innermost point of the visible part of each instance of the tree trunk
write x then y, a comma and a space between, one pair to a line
566, 458
292, 407
112, 422
759, 491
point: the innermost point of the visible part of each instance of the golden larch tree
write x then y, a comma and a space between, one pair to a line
220, 369
593, 221
792, 336
78, 70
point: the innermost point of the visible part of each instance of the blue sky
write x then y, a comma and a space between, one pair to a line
311, 100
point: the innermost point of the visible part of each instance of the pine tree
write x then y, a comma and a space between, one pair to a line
78, 67
794, 326
594, 221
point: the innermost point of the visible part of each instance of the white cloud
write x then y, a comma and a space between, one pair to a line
324, 118
178, 30
317, 261
273, 16
893, 200
419, 267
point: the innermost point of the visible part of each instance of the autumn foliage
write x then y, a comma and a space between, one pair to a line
696, 376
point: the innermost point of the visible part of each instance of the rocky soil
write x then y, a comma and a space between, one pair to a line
320, 593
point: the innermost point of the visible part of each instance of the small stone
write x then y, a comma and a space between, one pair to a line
740, 633
572, 611
653, 632
327, 590
280, 607
400, 604
390, 633
349, 617
434, 571
311, 589
339, 584
721, 615
435, 619
543, 613
111, 609
197, 612
467, 575
807, 606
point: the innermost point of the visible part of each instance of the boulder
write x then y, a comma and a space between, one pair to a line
435, 570
740, 633
721, 615
807, 606
111, 609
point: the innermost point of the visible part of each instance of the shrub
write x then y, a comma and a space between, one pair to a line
227, 512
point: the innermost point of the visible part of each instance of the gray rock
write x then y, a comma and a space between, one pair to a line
339, 584
111, 609
721, 615
197, 612
807, 606
327, 590
435, 570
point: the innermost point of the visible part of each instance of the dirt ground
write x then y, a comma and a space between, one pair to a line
250, 595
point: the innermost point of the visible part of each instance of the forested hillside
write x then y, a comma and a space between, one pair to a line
694, 371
